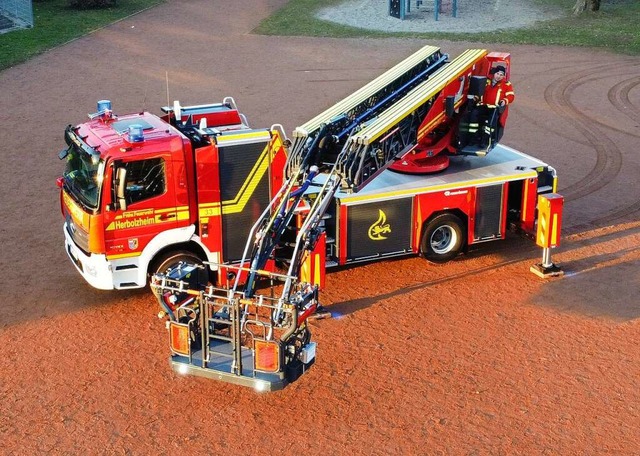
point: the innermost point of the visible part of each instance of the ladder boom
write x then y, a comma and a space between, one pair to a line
399, 128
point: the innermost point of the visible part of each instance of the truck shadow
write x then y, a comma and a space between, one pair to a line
604, 285
594, 285
69, 295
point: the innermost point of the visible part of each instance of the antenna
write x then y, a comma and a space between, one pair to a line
146, 89
166, 75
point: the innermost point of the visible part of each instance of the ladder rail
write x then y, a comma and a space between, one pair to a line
420, 95
367, 91
388, 98
396, 126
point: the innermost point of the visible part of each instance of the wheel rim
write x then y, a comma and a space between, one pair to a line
443, 239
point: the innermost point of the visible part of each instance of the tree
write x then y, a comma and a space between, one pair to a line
584, 5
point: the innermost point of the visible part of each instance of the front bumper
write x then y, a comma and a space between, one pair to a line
94, 268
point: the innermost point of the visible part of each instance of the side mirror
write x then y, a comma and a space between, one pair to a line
449, 106
121, 181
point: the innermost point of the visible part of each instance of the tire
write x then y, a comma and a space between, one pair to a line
163, 264
443, 238
171, 259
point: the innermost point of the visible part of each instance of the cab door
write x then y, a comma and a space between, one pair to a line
151, 207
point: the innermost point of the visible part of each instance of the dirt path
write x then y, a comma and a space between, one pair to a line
475, 357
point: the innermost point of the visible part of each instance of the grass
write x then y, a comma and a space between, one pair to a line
614, 27
55, 23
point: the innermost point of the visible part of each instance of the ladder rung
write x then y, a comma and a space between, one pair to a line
218, 337
217, 353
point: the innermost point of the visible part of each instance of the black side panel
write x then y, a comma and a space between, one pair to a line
379, 228
488, 212
238, 182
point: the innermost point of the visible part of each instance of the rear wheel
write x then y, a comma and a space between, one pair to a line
443, 238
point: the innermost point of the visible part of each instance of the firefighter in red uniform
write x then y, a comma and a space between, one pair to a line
487, 119
498, 94
499, 91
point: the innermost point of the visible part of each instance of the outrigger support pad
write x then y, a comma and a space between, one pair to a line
547, 268
321, 313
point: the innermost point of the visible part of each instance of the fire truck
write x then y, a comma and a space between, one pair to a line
237, 226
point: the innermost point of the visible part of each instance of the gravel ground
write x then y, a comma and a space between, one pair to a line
475, 357
472, 15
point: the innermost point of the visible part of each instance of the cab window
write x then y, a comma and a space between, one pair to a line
145, 179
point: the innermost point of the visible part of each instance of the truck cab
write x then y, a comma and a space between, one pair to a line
142, 192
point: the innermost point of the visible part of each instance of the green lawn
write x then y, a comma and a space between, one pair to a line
615, 26
55, 23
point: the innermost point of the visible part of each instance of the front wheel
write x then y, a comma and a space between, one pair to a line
443, 238
171, 260
166, 265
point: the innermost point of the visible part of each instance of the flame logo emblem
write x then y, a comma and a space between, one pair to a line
380, 227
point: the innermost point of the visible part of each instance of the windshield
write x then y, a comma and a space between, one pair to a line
83, 175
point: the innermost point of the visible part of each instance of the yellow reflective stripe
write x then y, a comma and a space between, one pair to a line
317, 276
147, 212
554, 230
437, 188
209, 212
123, 255
526, 198
248, 135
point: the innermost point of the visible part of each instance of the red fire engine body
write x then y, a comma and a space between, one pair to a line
157, 196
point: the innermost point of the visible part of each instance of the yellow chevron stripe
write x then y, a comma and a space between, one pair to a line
258, 171
206, 205
259, 167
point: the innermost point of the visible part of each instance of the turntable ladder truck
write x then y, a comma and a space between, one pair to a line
344, 201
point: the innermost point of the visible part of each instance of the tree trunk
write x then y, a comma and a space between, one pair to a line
583, 5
